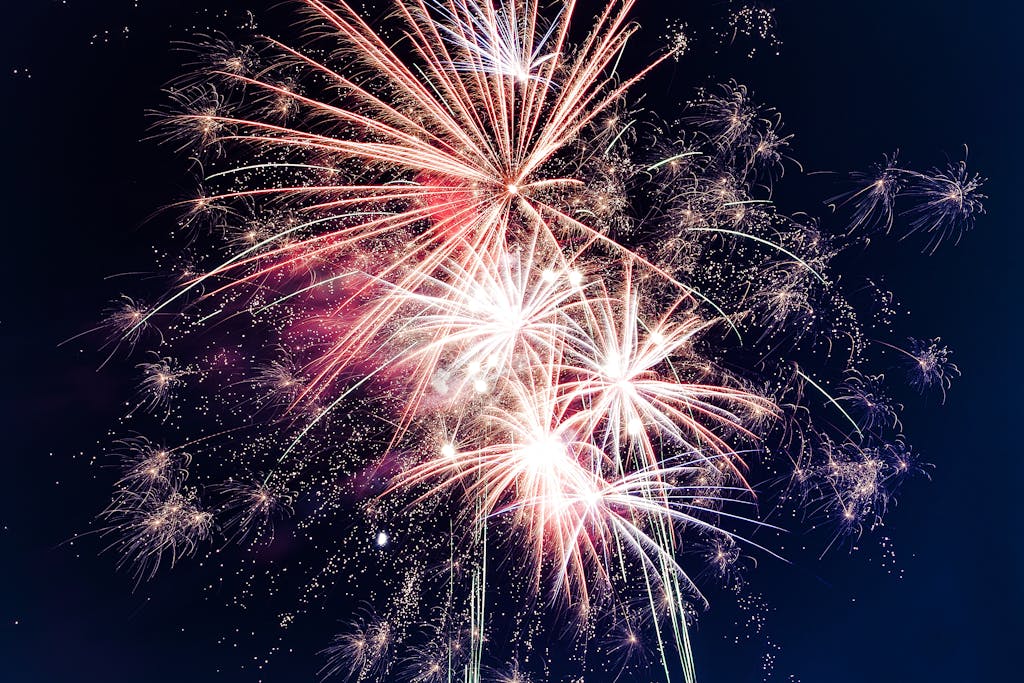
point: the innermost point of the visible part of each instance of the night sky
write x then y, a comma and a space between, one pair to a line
852, 80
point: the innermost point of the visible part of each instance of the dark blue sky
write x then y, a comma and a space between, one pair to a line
853, 81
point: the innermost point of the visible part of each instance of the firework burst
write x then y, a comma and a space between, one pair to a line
481, 343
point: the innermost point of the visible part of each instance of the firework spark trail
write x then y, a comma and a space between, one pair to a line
447, 238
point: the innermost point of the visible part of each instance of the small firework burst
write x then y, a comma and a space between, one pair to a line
930, 365
148, 467
251, 509
161, 377
722, 556
947, 202
873, 199
362, 651
161, 525
869, 402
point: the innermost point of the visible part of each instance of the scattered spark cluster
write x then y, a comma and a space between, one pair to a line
750, 22
512, 359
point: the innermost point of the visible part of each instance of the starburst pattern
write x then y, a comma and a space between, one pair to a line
484, 347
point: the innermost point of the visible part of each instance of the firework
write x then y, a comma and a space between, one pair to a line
929, 364
483, 351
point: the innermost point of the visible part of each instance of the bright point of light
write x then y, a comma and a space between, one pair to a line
544, 452
382, 539
448, 450
635, 426
575, 278
615, 367
591, 497
549, 275
657, 338
480, 386
512, 188
474, 368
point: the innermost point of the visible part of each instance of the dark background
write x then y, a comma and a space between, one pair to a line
854, 80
